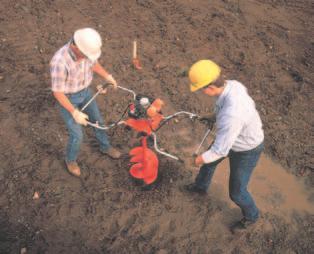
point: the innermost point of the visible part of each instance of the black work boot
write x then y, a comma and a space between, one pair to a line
193, 188
241, 226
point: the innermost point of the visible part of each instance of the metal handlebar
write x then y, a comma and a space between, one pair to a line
104, 87
200, 145
93, 98
96, 125
128, 90
191, 115
161, 152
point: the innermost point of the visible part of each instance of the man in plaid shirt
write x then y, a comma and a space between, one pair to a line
72, 69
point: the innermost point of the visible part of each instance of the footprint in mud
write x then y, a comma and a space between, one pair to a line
143, 241
172, 226
90, 208
114, 228
276, 199
128, 224
150, 232
116, 197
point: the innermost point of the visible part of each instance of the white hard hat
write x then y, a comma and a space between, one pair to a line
89, 43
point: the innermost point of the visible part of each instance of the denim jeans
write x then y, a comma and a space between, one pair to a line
78, 100
242, 165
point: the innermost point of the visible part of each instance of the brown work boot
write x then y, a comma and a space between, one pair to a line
73, 168
112, 153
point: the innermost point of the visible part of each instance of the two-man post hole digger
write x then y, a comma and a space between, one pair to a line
239, 128
145, 117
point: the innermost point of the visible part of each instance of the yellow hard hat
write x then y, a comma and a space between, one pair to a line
202, 73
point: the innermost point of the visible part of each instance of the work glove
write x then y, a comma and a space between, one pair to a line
112, 81
80, 117
101, 89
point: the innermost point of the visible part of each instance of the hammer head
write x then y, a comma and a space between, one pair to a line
137, 64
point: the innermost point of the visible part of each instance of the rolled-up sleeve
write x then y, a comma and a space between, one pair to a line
58, 74
228, 129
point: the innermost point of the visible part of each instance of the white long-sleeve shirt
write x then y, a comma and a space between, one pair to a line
238, 123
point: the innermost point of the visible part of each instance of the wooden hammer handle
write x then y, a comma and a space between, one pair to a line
134, 50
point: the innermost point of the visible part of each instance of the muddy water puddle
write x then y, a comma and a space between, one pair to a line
273, 188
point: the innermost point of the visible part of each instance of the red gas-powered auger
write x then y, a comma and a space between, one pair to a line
145, 117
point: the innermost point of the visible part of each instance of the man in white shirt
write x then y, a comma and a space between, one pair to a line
239, 136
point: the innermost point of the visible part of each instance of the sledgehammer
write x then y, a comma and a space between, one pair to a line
135, 60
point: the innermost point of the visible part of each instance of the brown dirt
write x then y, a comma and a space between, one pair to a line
268, 45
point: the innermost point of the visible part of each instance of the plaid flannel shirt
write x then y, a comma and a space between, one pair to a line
67, 74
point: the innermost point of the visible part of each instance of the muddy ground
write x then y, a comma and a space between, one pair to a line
266, 44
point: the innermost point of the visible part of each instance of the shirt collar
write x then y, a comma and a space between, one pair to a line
71, 53
221, 98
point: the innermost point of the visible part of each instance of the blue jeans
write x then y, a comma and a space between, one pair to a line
242, 165
78, 100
